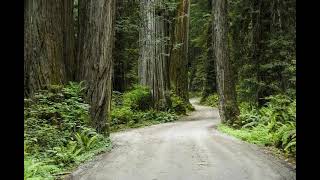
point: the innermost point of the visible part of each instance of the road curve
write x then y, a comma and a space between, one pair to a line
188, 149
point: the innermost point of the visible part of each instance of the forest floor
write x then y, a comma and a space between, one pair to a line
188, 149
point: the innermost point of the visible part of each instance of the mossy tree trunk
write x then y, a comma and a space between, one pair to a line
48, 43
96, 32
228, 108
153, 61
179, 54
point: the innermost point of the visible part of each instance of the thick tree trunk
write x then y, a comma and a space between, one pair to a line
96, 32
153, 65
69, 40
228, 108
47, 46
179, 56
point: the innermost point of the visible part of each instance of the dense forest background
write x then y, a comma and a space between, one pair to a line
97, 66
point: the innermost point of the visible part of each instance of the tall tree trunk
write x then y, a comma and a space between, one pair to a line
179, 56
228, 108
69, 40
46, 44
153, 71
96, 32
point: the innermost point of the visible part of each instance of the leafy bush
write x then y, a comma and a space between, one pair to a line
285, 137
249, 116
139, 98
35, 169
212, 100
142, 118
165, 117
121, 115
56, 131
178, 105
133, 109
52, 116
117, 99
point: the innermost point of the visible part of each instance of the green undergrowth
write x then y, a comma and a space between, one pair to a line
179, 106
133, 109
211, 100
273, 125
57, 136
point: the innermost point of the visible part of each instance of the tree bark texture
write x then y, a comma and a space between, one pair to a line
179, 56
96, 32
153, 61
46, 43
228, 108
69, 40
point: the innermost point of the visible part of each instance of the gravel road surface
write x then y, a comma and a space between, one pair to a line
188, 149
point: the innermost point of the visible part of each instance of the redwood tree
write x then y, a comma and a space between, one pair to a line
153, 65
228, 108
96, 31
47, 43
179, 53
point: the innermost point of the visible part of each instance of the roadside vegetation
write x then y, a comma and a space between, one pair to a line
272, 125
57, 131
133, 109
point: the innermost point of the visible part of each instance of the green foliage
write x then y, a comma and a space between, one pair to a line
200, 16
87, 138
263, 58
274, 124
126, 51
37, 170
139, 98
64, 155
121, 115
258, 135
165, 117
212, 100
178, 105
56, 131
133, 109
249, 116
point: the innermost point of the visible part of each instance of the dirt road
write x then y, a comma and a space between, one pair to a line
189, 149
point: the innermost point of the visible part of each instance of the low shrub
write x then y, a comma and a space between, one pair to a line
121, 115
139, 98
178, 105
165, 117
249, 115
273, 124
127, 114
36, 169
57, 131
212, 100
